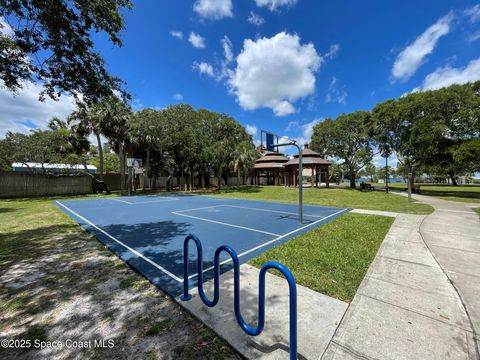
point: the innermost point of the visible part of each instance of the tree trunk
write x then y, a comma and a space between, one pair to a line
154, 186
411, 183
206, 178
238, 177
100, 154
147, 169
122, 166
352, 179
225, 178
219, 179
454, 180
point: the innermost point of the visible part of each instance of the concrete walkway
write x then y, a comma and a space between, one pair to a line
452, 233
318, 316
418, 298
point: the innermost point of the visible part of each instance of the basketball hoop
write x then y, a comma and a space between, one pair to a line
272, 143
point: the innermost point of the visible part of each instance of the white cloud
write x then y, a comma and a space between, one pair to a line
336, 93
255, 19
292, 125
332, 51
251, 129
227, 49
136, 104
447, 75
228, 58
273, 5
23, 111
213, 9
274, 73
413, 56
203, 68
473, 13
196, 40
307, 132
177, 34
474, 37
5, 28
178, 97
283, 108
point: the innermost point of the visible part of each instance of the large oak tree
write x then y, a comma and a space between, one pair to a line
51, 41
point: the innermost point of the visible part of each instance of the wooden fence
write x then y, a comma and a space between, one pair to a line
24, 185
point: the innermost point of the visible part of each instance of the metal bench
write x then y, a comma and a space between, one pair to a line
367, 186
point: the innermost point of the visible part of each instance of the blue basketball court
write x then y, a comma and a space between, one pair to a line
148, 231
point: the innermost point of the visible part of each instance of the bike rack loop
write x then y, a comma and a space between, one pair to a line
253, 331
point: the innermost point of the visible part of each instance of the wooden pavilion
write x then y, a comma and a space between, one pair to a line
271, 167
313, 165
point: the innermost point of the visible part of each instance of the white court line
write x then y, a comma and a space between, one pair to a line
271, 241
225, 224
249, 208
165, 271
155, 201
143, 202
201, 208
275, 211
122, 201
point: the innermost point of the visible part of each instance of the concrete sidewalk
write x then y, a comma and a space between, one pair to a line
318, 316
452, 233
407, 307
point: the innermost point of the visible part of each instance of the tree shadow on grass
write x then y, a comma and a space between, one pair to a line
452, 193
8, 210
58, 283
246, 189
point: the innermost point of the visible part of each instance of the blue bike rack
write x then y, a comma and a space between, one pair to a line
253, 331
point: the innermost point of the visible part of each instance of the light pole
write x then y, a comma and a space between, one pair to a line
386, 173
386, 151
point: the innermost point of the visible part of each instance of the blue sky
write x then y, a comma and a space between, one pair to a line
293, 64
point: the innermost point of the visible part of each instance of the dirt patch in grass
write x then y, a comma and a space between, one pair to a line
58, 283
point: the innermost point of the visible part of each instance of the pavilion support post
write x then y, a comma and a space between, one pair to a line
327, 176
313, 176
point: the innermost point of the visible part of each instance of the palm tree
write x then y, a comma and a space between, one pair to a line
74, 142
245, 156
86, 121
114, 115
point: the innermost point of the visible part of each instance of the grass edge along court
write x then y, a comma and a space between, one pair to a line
342, 198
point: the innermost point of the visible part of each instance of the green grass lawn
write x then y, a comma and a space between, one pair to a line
332, 259
52, 271
345, 198
462, 193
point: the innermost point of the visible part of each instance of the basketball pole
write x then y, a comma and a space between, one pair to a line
130, 181
300, 178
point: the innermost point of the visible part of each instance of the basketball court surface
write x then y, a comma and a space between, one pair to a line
148, 231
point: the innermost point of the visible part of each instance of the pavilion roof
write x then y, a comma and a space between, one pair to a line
309, 157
